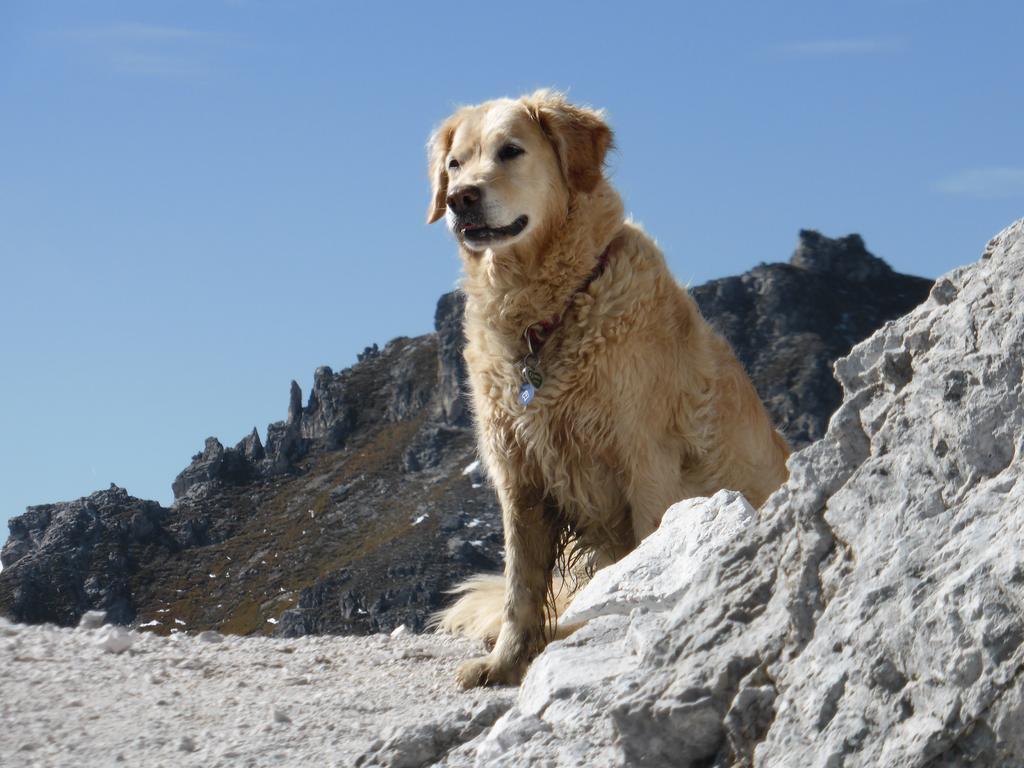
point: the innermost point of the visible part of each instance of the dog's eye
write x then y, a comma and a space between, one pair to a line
453, 164
509, 151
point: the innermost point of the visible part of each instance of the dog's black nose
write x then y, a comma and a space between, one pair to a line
464, 199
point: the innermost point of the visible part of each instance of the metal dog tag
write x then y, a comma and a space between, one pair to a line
533, 376
526, 392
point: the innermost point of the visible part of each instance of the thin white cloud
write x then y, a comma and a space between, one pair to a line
141, 49
131, 32
852, 46
992, 183
154, 64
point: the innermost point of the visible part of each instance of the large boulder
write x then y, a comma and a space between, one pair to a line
871, 613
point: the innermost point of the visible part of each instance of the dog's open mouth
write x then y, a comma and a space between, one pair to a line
478, 233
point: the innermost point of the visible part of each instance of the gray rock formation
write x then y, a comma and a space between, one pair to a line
788, 323
354, 516
217, 466
451, 373
285, 443
870, 614
64, 559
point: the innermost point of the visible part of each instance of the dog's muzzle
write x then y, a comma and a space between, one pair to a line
466, 203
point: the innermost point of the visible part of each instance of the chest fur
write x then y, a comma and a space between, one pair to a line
561, 440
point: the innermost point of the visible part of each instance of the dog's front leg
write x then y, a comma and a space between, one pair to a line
531, 541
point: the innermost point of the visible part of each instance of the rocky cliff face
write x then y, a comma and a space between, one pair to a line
358, 510
76, 554
788, 323
871, 613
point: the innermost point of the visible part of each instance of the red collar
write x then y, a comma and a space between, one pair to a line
536, 335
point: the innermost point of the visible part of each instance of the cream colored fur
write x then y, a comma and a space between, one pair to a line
477, 612
642, 404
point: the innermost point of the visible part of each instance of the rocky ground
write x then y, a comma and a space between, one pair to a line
92, 698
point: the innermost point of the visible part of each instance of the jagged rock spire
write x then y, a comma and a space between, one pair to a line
295, 403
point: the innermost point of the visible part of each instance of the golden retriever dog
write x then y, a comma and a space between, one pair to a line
601, 395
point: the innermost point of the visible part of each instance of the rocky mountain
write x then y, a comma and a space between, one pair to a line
364, 505
788, 323
870, 613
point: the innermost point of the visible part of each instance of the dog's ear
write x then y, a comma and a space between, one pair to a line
437, 151
580, 136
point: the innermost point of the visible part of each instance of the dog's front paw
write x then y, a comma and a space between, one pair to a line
486, 670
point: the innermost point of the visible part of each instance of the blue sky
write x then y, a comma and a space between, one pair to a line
200, 201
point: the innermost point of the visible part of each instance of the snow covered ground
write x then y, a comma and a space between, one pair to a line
108, 697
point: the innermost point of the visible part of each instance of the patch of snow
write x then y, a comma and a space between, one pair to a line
271, 621
471, 468
179, 621
152, 623
474, 522
419, 519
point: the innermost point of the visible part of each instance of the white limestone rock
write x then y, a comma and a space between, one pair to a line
655, 574
871, 614
115, 639
416, 744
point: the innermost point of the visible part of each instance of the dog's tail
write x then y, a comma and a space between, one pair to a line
477, 613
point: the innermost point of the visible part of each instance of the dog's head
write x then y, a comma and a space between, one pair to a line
502, 170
